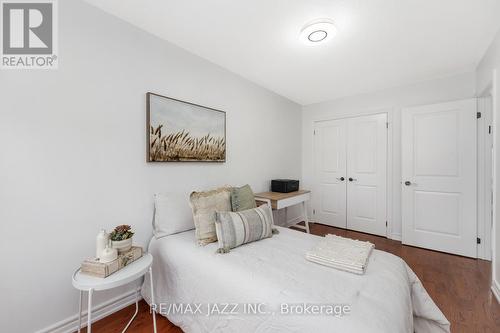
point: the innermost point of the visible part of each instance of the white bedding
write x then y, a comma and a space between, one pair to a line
387, 298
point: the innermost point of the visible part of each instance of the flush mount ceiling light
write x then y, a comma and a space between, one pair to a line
318, 31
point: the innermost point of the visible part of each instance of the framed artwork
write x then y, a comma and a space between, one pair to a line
179, 131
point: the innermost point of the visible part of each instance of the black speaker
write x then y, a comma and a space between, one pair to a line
284, 185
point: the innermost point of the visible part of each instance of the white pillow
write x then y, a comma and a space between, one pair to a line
172, 214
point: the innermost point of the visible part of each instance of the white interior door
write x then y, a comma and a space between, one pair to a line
439, 177
367, 174
329, 193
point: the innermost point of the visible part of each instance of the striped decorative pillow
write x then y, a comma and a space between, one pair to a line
238, 228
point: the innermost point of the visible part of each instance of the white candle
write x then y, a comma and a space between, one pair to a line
102, 240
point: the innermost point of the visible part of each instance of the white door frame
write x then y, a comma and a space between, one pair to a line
484, 175
495, 284
389, 168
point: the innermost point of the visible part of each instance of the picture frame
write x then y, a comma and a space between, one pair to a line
180, 131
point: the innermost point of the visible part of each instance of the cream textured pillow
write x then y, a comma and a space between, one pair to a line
204, 206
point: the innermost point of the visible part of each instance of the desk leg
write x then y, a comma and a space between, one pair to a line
286, 217
89, 312
152, 298
306, 219
80, 312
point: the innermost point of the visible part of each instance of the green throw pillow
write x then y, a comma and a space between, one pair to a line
242, 198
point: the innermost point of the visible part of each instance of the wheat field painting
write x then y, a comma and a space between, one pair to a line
184, 132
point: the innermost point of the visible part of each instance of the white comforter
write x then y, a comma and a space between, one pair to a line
273, 272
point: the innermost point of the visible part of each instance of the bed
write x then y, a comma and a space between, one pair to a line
258, 284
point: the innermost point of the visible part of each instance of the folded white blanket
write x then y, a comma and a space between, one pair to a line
341, 253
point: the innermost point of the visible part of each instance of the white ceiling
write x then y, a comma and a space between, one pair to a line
380, 44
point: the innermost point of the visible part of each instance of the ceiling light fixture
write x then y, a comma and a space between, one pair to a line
318, 31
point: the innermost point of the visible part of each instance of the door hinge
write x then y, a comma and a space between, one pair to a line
489, 129
314, 211
314, 132
478, 115
387, 125
386, 224
478, 240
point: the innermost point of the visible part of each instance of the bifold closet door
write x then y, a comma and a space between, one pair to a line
329, 191
439, 177
367, 174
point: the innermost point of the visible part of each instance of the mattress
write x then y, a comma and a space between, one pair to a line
269, 286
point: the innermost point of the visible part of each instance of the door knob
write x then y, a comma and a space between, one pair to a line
407, 183
352, 179
341, 179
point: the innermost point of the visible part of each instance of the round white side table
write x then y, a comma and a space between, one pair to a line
129, 273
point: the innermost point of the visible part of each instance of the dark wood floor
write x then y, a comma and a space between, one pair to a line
459, 286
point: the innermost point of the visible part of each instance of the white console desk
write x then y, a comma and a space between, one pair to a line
284, 200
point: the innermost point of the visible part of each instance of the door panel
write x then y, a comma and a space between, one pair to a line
439, 166
329, 195
436, 144
367, 175
368, 196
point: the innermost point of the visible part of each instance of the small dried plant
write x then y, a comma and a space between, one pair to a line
121, 232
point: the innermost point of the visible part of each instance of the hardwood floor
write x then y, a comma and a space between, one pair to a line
460, 287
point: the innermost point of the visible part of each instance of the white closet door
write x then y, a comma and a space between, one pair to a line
367, 174
329, 193
439, 177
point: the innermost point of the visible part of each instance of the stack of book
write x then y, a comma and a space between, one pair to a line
93, 267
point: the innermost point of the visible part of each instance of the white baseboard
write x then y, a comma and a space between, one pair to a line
396, 236
100, 311
486, 256
495, 288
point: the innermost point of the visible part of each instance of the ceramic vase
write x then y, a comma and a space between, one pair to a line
122, 246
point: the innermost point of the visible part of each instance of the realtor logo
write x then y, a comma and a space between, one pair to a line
29, 34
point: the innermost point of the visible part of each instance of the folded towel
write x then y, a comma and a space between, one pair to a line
341, 253
342, 267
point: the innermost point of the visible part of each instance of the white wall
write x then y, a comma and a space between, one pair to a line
390, 101
488, 77
72, 145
